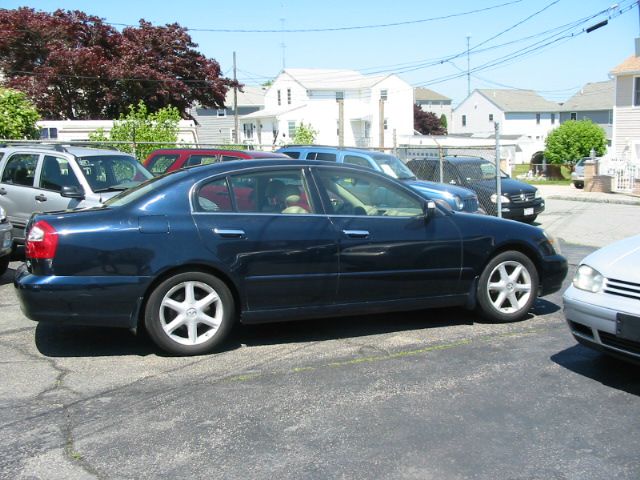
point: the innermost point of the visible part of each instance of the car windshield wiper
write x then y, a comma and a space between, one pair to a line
110, 189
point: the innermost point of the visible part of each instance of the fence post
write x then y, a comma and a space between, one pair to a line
498, 173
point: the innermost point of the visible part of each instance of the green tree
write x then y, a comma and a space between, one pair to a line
139, 127
443, 122
574, 140
18, 116
304, 134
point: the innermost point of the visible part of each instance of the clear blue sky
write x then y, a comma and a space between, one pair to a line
412, 51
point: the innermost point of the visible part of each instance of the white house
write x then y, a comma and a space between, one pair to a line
363, 105
519, 112
626, 110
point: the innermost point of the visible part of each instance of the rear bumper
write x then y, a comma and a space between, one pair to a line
94, 301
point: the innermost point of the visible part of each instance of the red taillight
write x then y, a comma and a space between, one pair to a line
42, 241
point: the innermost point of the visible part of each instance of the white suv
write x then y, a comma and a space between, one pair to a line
48, 178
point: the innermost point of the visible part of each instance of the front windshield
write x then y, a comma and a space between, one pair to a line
106, 173
393, 166
483, 170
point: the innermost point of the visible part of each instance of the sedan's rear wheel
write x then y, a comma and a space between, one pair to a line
190, 313
508, 287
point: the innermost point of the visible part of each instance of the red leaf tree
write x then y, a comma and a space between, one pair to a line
427, 123
75, 66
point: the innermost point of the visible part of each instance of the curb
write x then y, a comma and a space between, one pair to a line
613, 200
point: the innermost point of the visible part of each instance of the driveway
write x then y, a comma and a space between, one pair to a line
431, 394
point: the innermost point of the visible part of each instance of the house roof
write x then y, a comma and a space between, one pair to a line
630, 65
322, 79
271, 112
251, 97
426, 94
593, 96
518, 100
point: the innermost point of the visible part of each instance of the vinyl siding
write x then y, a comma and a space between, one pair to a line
627, 130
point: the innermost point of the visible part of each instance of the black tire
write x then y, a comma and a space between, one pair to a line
496, 281
196, 332
578, 185
4, 264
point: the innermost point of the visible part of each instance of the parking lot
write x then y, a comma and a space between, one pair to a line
432, 394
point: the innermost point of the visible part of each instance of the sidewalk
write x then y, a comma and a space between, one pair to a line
569, 192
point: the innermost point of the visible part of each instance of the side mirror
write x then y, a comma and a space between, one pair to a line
69, 191
429, 208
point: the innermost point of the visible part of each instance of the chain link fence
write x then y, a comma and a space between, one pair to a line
456, 166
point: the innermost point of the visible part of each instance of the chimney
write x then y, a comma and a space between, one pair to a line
637, 47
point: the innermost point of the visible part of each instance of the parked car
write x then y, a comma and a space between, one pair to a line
520, 201
5, 242
169, 159
602, 305
577, 176
53, 177
187, 255
458, 198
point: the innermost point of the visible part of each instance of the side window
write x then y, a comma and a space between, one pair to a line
20, 169
450, 175
214, 196
201, 160
229, 158
362, 194
57, 173
272, 192
161, 163
292, 154
328, 157
425, 169
357, 160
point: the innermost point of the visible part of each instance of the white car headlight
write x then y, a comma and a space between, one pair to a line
459, 202
538, 194
503, 198
589, 279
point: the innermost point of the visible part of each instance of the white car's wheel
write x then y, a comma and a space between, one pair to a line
190, 313
507, 287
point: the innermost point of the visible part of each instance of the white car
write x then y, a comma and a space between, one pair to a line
602, 305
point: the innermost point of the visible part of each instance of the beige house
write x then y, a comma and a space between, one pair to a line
626, 110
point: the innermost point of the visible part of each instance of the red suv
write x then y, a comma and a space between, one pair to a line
170, 159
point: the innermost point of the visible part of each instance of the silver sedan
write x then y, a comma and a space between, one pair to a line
602, 305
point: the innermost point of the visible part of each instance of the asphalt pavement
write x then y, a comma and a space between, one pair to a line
435, 394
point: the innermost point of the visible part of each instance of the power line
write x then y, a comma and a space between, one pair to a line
338, 29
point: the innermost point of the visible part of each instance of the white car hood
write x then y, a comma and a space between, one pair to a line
620, 260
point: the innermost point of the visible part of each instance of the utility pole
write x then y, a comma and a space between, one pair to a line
381, 121
235, 102
468, 68
498, 173
341, 122
282, 44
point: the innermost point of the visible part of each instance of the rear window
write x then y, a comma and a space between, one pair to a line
292, 154
328, 157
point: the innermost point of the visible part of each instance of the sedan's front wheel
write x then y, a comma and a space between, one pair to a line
190, 313
508, 287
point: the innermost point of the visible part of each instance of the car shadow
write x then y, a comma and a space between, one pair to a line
74, 341
600, 367
7, 277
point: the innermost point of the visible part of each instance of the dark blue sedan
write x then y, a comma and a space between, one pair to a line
189, 254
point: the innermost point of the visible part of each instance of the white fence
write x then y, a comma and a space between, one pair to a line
624, 174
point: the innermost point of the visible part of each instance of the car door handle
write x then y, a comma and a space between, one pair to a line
41, 198
229, 233
356, 233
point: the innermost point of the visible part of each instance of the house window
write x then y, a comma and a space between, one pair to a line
464, 120
47, 133
491, 117
222, 112
292, 128
339, 96
279, 98
248, 130
288, 96
553, 119
574, 116
383, 95
537, 119
636, 92
385, 124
